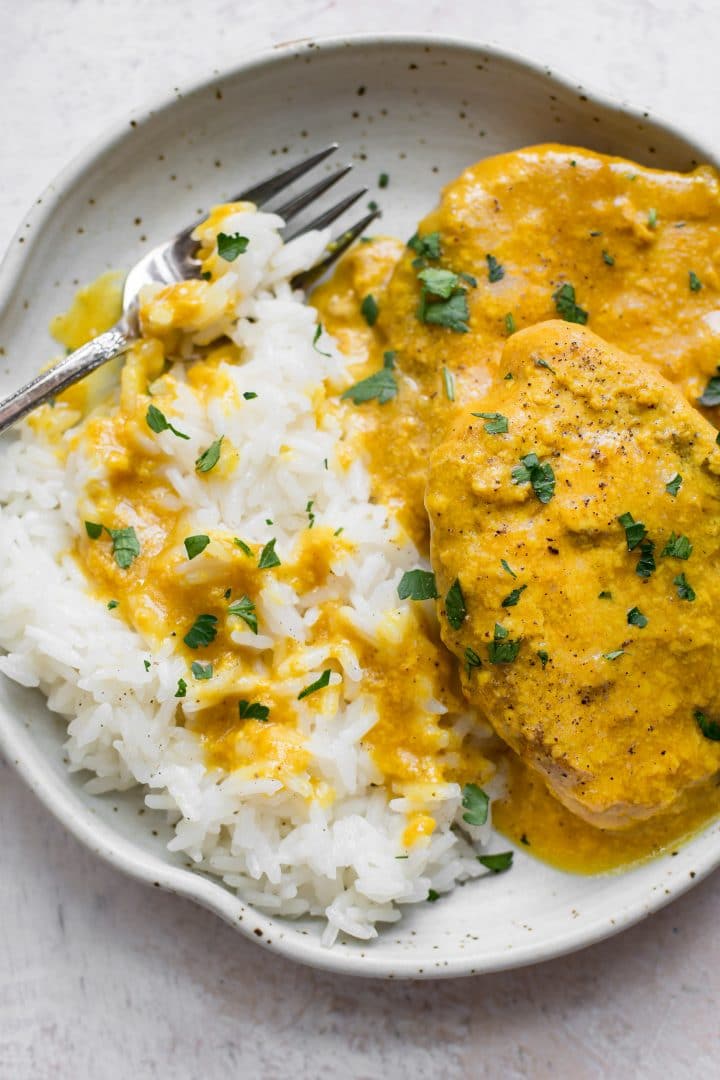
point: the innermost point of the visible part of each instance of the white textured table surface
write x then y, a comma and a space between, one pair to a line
103, 978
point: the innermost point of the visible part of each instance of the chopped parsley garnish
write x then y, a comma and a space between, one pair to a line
496, 271
710, 728
319, 684
338, 531
673, 486
566, 306
125, 546
195, 545
383, 180
512, 598
381, 385
646, 563
507, 568
206, 275
370, 309
229, 247
147, 664
157, 422
508, 376
634, 530
711, 393
448, 383
417, 585
635, 617
497, 863
684, 589
210, 457
472, 660
181, 688
543, 658
502, 649
201, 671
540, 477
510, 326
316, 338
112, 604
242, 545
249, 395
93, 530
426, 247
442, 283
432, 896
497, 424
677, 547
539, 362
607, 258
476, 804
309, 511
614, 654
253, 710
245, 610
652, 218
268, 556
227, 594
202, 632
455, 609
694, 281
605, 595
452, 313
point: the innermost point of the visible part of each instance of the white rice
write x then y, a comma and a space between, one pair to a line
282, 850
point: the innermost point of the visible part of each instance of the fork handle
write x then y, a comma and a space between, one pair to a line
70, 370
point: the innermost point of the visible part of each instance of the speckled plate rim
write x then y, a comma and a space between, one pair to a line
16, 742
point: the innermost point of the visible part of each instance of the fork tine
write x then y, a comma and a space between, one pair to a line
327, 218
292, 208
266, 189
334, 250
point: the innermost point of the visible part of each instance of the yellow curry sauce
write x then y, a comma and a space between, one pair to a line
634, 251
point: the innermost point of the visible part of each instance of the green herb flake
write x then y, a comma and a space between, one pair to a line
543, 658
497, 424
370, 309
245, 610
566, 306
202, 632
694, 281
455, 609
201, 671
507, 568
195, 545
442, 283
210, 457
125, 546
229, 247
112, 604
497, 863
206, 275
268, 556
635, 617
605, 595
646, 563
510, 326
476, 803
253, 710
634, 530
508, 377
93, 530
502, 649
319, 684
512, 598
383, 180
540, 477
147, 664
614, 655
432, 896
677, 547
372, 205
673, 486
316, 338
448, 383
608, 258
652, 218
496, 271
472, 661
381, 385
711, 394
684, 589
426, 247
417, 585
539, 362
710, 728
452, 313
181, 689
242, 545
157, 422
249, 395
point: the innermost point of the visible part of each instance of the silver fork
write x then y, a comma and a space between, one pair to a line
176, 260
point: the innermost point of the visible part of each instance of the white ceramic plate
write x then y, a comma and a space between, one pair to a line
421, 110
